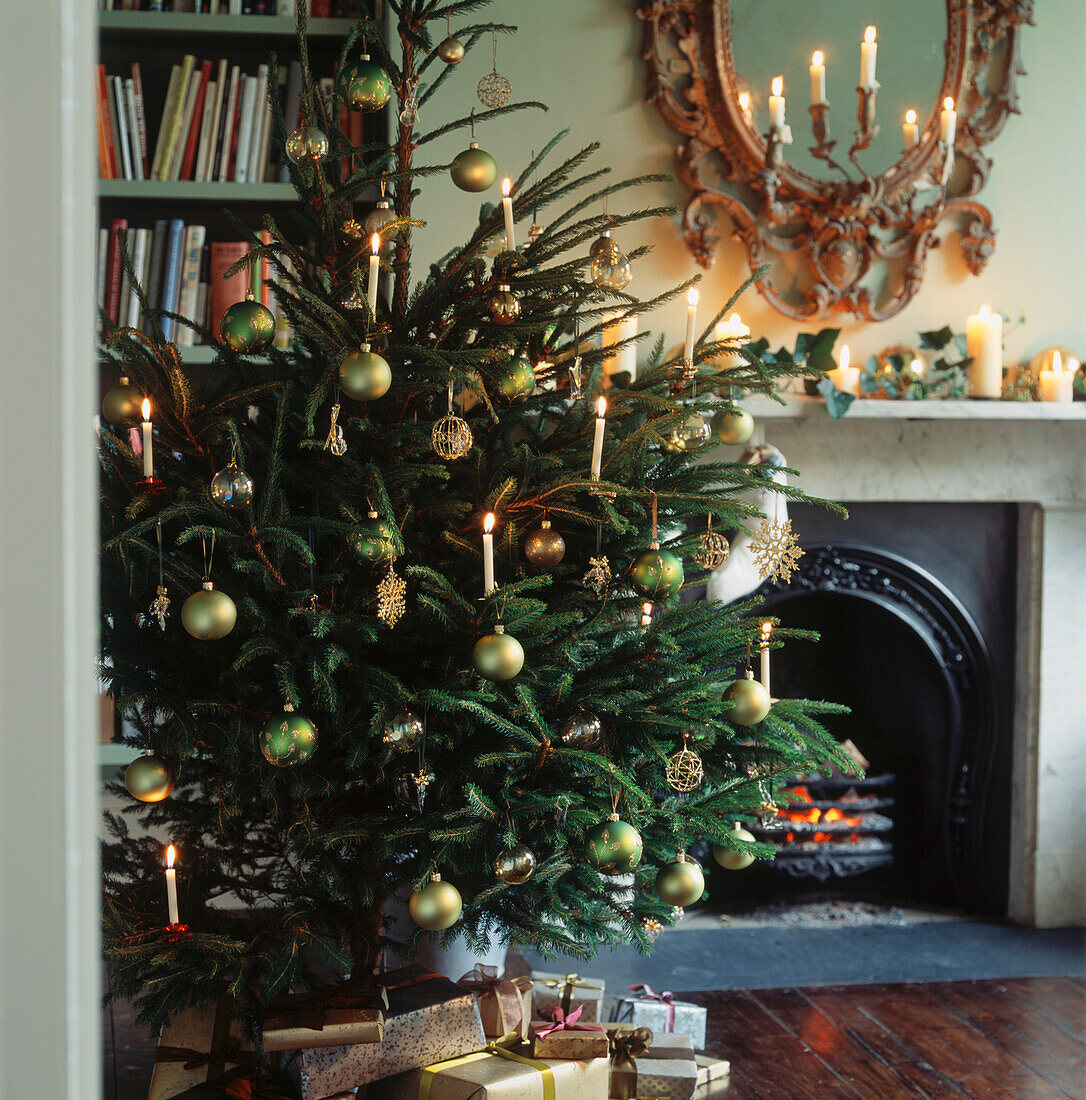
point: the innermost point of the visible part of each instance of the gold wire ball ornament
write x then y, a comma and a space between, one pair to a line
776, 550
451, 436
494, 90
391, 593
713, 549
598, 578
685, 771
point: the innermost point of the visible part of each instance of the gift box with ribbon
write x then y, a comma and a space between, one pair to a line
642, 1066
428, 1019
339, 1015
662, 1013
241, 1083
562, 1036
197, 1046
568, 992
505, 1004
713, 1072
503, 1070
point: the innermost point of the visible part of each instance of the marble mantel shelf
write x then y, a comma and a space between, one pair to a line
800, 405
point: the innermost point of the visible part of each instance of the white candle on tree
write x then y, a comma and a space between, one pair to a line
488, 554
1056, 384
171, 885
818, 79
375, 271
597, 439
691, 323
507, 209
869, 49
984, 346
767, 630
148, 453
776, 103
948, 122
910, 129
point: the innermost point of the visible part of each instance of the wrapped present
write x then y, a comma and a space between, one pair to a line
197, 1046
501, 1071
428, 1019
567, 992
339, 1015
640, 1067
661, 1013
505, 1004
712, 1071
563, 1036
240, 1083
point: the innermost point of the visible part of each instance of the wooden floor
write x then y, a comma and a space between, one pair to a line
1021, 1038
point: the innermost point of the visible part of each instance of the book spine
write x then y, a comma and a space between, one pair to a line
205, 133
118, 157
145, 269
139, 258
167, 107
265, 140
178, 154
103, 141
101, 262
113, 292
225, 292
286, 7
170, 275
124, 293
133, 129
122, 127
173, 124
235, 7
154, 271
229, 109
190, 280
203, 293
213, 129
292, 112
260, 97
189, 158
245, 130
141, 118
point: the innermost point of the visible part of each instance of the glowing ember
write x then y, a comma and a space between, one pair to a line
812, 815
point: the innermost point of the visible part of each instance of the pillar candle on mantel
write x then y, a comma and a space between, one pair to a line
617, 328
1056, 384
869, 49
910, 129
735, 332
776, 104
818, 79
984, 346
844, 377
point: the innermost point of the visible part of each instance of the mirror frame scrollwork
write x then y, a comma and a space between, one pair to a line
843, 228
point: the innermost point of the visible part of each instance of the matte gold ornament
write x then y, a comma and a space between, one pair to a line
364, 375
436, 906
503, 306
680, 881
581, 730
403, 731
598, 577
451, 50
776, 550
232, 487
685, 771
307, 146
149, 778
288, 738
515, 865
545, 547
121, 404
498, 656
208, 614
474, 169
733, 425
247, 327
731, 859
613, 847
713, 549
751, 701
391, 596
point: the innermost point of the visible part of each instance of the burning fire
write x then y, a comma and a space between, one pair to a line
812, 815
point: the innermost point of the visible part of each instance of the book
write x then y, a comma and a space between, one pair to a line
202, 292
177, 110
155, 269
265, 141
188, 161
213, 128
120, 121
177, 153
139, 259
225, 292
245, 128
190, 280
260, 97
264, 295
101, 117
113, 286
205, 133
141, 118
118, 157
292, 112
222, 170
101, 259
133, 128
144, 270
167, 107
170, 275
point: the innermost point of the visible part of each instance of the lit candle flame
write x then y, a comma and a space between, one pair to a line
692, 296
917, 367
744, 101
734, 321
1057, 362
842, 360
601, 406
910, 116
171, 853
488, 523
777, 85
816, 59
767, 629
948, 103
146, 409
375, 243
507, 185
985, 313
869, 34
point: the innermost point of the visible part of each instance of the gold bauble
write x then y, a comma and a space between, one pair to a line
149, 778
209, 614
503, 306
581, 730
545, 547
1069, 359
498, 656
690, 435
680, 882
733, 425
402, 731
613, 847
451, 437
730, 858
515, 865
364, 375
436, 906
752, 701
451, 50
122, 404
474, 169
684, 772
376, 220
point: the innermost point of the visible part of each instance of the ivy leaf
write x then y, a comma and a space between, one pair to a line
936, 340
837, 403
820, 354
961, 343
869, 378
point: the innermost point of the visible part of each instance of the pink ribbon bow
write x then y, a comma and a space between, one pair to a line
647, 993
562, 1022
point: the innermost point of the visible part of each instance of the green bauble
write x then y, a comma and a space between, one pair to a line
149, 778
730, 858
288, 738
374, 541
121, 405
517, 381
364, 375
752, 701
498, 656
209, 614
436, 906
474, 169
363, 85
613, 847
733, 425
656, 574
680, 882
247, 326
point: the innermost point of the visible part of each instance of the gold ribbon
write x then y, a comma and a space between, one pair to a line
567, 983
500, 1048
627, 1045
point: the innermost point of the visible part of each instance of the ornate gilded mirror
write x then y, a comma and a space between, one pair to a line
838, 136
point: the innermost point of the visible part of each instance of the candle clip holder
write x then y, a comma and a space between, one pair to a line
153, 485
176, 932
774, 148
865, 116
820, 127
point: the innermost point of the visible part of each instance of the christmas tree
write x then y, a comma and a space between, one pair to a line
299, 619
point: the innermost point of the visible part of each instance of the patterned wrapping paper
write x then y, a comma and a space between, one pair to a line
661, 1013
713, 1072
503, 1071
564, 1036
641, 1066
505, 1004
567, 992
196, 1046
338, 1015
428, 1020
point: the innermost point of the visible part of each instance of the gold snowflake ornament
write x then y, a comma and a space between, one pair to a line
776, 550
391, 603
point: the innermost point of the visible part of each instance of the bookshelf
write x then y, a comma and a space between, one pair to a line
119, 23
190, 191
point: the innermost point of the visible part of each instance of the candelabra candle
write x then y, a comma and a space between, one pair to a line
597, 440
1056, 384
948, 123
910, 129
375, 270
171, 886
507, 209
148, 454
691, 322
818, 79
869, 49
488, 554
776, 104
767, 630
